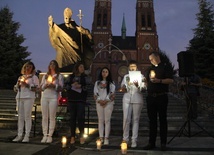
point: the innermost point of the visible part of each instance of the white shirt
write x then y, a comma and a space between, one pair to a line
100, 90
51, 92
133, 94
25, 92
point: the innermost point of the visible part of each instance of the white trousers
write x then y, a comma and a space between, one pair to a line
49, 108
24, 115
131, 110
104, 119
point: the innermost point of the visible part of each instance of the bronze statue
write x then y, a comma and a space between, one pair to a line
71, 42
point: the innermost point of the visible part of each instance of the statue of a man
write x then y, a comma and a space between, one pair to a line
71, 42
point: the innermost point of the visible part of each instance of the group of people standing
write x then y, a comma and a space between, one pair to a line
52, 84
156, 82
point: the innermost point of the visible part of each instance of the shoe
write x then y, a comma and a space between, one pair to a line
101, 138
134, 144
72, 140
149, 147
26, 139
44, 139
17, 139
49, 139
82, 140
106, 141
163, 147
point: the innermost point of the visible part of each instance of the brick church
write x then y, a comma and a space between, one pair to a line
115, 51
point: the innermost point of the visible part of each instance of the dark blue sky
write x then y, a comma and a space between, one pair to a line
175, 20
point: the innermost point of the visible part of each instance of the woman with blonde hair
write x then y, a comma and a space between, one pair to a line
25, 87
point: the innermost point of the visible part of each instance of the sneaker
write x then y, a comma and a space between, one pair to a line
134, 144
72, 140
26, 139
106, 141
49, 139
44, 139
82, 140
17, 139
149, 147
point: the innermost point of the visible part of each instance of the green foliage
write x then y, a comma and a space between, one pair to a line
202, 44
165, 59
12, 54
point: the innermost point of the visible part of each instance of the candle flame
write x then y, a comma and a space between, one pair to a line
49, 79
152, 74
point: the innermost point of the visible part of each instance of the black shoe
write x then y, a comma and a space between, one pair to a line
163, 147
149, 147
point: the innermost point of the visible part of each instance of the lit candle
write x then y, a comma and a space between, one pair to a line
152, 74
22, 79
49, 80
99, 144
64, 141
123, 147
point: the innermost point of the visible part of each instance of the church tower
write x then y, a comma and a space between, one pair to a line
101, 27
102, 33
114, 51
146, 33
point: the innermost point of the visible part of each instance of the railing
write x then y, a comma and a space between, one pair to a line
205, 100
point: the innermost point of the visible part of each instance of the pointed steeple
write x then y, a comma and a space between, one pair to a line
123, 29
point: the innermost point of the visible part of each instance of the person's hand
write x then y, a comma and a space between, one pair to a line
81, 29
50, 21
135, 82
104, 103
50, 85
123, 89
24, 84
75, 84
112, 97
155, 80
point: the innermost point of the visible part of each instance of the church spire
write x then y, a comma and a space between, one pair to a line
123, 29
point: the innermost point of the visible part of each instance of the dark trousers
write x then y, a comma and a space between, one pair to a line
77, 114
157, 106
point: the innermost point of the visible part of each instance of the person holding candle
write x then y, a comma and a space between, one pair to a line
51, 85
104, 89
77, 95
25, 87
132, 103
158, 78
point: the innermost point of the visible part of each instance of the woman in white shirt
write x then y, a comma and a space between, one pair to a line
132, 103
104, 90
51, 85
25, 87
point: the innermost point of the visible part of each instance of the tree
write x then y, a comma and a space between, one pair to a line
12, 54
165, 59
202, 44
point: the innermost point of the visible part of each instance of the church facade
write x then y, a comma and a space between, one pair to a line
116, 51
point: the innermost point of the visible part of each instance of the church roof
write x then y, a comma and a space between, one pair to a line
129, 43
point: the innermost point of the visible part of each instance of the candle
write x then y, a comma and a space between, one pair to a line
80, 12
49, 80
64, 141
99, 144
22, 79
152, 74
123, 147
